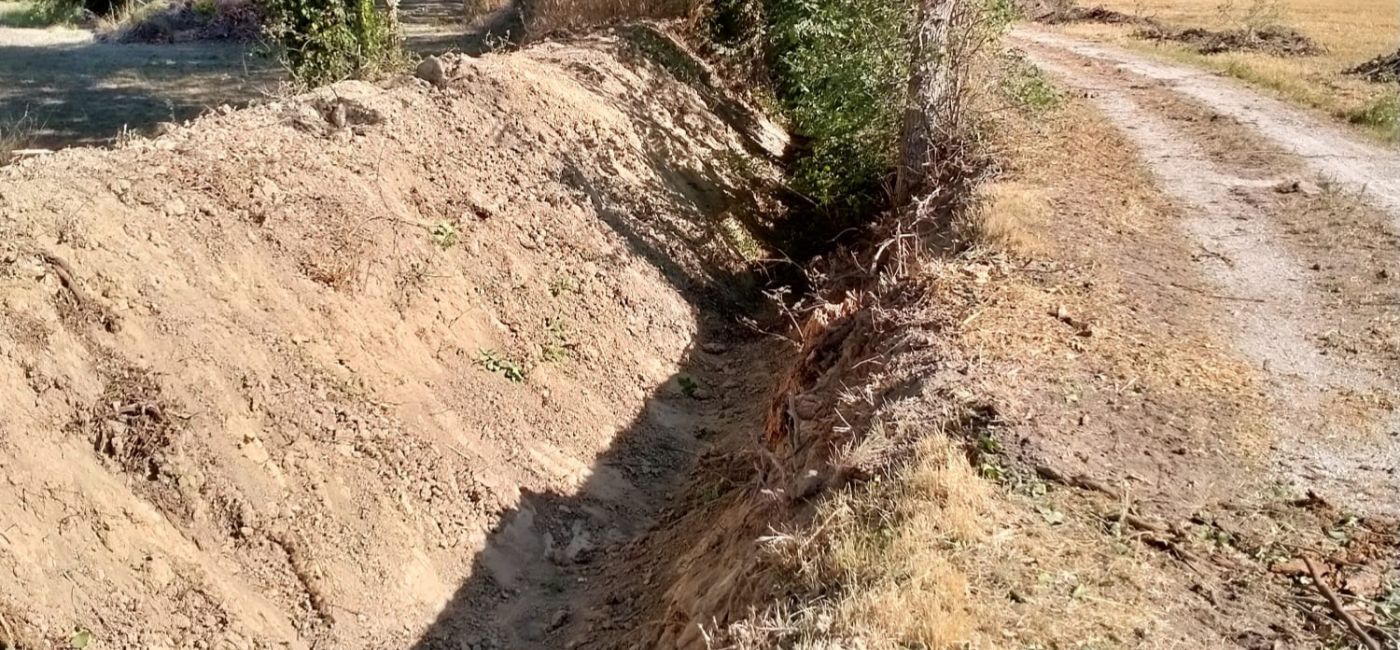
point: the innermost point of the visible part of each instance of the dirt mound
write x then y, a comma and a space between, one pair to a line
1273, 40
276, 376
183, 21
1099, 14
1382, 69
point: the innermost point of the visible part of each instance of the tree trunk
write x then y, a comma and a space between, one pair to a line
930, 82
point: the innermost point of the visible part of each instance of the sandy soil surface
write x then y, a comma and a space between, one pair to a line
1327, 149
376, 366
1333, 410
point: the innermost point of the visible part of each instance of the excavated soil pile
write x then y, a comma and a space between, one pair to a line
1275, 41
1074, 14
274, 378
1382, 69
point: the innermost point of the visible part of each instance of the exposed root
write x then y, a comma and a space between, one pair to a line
82, 306
1337, 607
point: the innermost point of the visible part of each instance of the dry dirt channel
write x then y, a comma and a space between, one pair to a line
1279, 313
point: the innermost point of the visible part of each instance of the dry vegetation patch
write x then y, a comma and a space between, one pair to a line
1347, 34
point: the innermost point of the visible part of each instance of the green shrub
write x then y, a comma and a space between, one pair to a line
46, 13
840, 69
1026, 87
1383, 114
322, 41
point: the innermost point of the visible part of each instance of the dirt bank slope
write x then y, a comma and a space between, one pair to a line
270, 379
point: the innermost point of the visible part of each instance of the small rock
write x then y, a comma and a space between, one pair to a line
256, 452
1364, 583
1298, 187
159, 573
560, 618
176, 208
1293, 567
432, 71
714, 347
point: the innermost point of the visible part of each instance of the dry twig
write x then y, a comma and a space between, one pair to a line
1336, 605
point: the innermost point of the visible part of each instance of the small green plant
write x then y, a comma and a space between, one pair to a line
1382, 114
444, 234
322, 41
1025, 86
560, 285
205, 8
688, 385
492, 361
560, 344
80, 639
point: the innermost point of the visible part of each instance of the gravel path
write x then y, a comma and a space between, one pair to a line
1279, 314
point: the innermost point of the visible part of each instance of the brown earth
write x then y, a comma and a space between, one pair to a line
375, 365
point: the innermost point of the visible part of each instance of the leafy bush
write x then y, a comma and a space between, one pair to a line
321, 41
840, 69
1026, 87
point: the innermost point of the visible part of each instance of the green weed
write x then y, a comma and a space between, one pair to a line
35, 15
560, 344
322, 41
1383, 114
1026, 87
492, 361
444, 234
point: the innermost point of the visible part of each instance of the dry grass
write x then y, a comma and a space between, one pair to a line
958, 546
1009, 215
16, 134
1352, 31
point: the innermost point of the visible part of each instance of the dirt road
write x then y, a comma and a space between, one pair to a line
1295, 221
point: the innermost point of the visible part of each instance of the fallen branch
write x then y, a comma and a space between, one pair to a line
83, 302
1336, 605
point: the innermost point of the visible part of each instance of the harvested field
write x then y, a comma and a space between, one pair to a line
1272, 40
1347, 34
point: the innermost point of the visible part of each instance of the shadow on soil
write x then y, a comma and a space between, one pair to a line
87, 93
562, 570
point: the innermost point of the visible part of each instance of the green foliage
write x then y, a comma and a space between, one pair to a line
42, 13
444, 234
688, 385
1026, 87
322, 41
492, 361
1382, 114
840, 68
560, 344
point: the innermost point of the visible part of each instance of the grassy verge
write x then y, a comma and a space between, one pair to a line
33, 15
1351, 31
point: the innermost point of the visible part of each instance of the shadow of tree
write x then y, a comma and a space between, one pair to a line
87, 92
